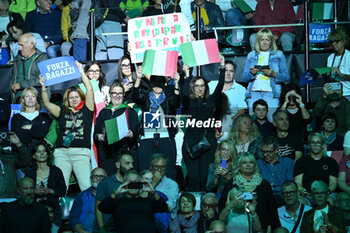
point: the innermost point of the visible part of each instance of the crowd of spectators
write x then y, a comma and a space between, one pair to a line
272, 164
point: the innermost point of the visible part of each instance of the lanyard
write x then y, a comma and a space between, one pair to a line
341, 58
2, 167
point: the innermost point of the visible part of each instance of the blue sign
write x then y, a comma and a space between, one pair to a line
318, 33
151, 120
58, 70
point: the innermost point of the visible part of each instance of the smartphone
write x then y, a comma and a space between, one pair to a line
135, 185
156, 140
223, 163
336, 86
247, 196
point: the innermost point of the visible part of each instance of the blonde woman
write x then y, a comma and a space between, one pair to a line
30, 125
75, 118
245, 136
220, 171
265, 69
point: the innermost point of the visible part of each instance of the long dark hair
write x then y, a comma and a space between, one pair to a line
119, 71
34, 150
193, 81
101, 78
18, 24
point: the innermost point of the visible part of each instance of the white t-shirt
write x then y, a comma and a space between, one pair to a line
347, 139
344, 68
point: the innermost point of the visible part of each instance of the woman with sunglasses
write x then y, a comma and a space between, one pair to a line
117, 107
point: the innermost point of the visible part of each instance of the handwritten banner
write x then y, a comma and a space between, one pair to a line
160, 32
59, 70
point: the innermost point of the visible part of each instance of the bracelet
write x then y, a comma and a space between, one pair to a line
302, 105
81, 71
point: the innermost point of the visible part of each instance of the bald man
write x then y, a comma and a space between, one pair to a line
25, 71
24, 214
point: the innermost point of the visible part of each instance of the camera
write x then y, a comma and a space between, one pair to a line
292, 97
135, 185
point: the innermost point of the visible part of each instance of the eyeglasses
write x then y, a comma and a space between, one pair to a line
208, 205
199, 86
320, 194
289, 193
125, 66
93, 71
115, 94
98, 177
334, 41
317, 143
159, 167
268, 152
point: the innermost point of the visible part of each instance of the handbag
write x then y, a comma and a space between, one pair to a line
198, 148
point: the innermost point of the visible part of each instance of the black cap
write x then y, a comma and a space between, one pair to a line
157, 81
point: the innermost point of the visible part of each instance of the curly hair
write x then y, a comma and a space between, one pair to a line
234, 132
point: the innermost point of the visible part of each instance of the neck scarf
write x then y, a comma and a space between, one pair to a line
189, 226
156, 102
329, 139
245, 185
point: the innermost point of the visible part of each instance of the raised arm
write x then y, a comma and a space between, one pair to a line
89, 97
54, 109
220, 86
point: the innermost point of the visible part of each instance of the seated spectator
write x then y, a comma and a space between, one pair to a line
299, 117
332, 101
209, 211
245, 136
239, 213
290, 145
187, 218
74, 118
18, 158
316, 166
211, 16
94, 70
24, 214
133, 8
5, 17
22, 7
16, 29
124, 163
344, 174
47, 23
265, 70
82, 215
292, 212
117, 107
260, 109
274, 168
28, 58
235, 17
333, 140
340, 59
343, 203
269, 12
30, 124
51, 208
247, 178
346, 144
133, 208
322, 217
110, 47
220, 171
217, 226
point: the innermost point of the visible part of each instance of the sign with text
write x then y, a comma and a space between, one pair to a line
159, 32
59, 70
318, 33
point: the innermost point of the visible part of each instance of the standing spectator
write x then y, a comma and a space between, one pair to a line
188, 217
28, 58
30, 125
209, 211
290, 145
265, 70
292, 212
316, 166
235, 93
133, 8
322, 217
117, 107
72, 152
274, 168
47, 23
82, 214
333, 140
260, 109
269, 12
110, 47
332, 101
124, 163
340, 59
197, 103
245, 136
24, 214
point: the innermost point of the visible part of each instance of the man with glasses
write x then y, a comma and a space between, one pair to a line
322, 217
158, 166
209, 213
292, 212
82, 214
274, 168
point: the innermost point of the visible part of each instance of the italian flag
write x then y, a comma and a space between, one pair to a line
158, 62
201, 52
246, 6
322, 11
117, 128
